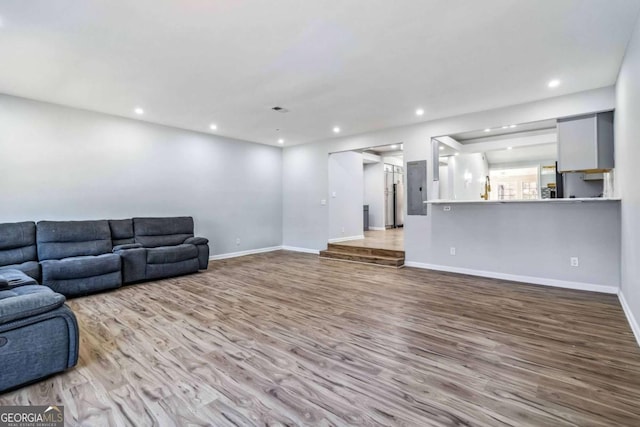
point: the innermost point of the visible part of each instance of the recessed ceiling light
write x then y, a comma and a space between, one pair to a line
139, 110
394, 146
419, 112
509, 148
441, 148
554, 83
281, 141
457, 154
505, 127
213, 126
336, 129
487, 130
512, 126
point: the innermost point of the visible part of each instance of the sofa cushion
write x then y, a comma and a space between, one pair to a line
160, 271
169, 254
121, 231
156, 232
85, 285
79, 267
64, 239
30, 268
27, 301
17, 243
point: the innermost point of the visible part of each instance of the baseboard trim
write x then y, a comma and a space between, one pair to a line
635, 328
517, 278
346, 239
377, 228
244, 253
303, 250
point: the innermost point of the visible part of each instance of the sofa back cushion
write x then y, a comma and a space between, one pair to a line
64, 239
156, 232
17, 243
121, 231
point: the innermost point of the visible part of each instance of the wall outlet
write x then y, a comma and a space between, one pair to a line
238, 241
575, 262
342, 230
452, 251
333, 194
446, 208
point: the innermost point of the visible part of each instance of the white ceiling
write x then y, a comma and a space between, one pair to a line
505, 131
531, 154
358, 64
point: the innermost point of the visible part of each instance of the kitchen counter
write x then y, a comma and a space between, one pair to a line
494, 202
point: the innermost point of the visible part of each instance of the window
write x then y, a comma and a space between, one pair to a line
514, 183
529, 190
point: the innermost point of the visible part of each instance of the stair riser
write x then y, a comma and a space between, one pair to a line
399, 262
358, 250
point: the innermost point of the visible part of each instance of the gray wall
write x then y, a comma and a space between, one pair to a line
346, 195
627, 152
374, 193
306, 185
63, 163
531, 239
306, 179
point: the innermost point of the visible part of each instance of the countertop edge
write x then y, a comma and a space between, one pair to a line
499, 202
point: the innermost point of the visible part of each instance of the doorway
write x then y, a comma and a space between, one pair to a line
367, 188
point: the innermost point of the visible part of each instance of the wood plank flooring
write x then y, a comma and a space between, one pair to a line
286, 339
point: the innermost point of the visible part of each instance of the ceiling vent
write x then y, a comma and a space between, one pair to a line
280, 109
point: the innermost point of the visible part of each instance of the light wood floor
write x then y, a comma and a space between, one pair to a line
392, 239
287, 339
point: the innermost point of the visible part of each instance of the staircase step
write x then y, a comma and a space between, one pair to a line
360, 250
363, 258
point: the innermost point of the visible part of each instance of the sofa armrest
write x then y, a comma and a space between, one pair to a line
126, 246
197, 241
27, 301
134, 264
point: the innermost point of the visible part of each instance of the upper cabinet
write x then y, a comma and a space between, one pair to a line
585, 143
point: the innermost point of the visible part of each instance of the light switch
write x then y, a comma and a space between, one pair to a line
323, 202
333, 194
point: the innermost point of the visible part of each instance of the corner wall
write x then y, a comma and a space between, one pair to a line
67, 164
627, 133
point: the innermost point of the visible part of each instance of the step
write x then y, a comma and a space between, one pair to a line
361, 250
362, 258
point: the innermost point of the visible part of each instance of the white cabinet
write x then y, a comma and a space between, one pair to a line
585, 143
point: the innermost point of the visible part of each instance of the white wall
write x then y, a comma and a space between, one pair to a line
444, 183
627, 152
346, 195
467, 172
311, 229
68, 164
532, 240
374, 193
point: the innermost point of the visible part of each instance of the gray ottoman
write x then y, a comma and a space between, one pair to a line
38, 332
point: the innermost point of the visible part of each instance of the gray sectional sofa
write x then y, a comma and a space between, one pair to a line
38, 332
18, 248
82, 257
76, 257
152, 248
